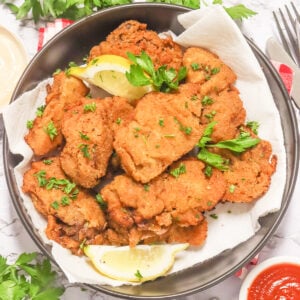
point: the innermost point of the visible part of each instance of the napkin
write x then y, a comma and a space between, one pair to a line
50, 30
211, 28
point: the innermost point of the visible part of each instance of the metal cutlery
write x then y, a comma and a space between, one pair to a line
288, 26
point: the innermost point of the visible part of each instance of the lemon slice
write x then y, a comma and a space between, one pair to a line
139, 264
109, 73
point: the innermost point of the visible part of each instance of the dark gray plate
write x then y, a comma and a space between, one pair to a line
72, 44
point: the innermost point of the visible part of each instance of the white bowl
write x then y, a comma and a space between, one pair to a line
243, 295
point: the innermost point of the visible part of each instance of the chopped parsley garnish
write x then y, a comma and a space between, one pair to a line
118, 121
161, 122
138, 275
55, 205
186, 129
47, 161
51, 130
195, 66
91, 107
40, 110
57, 71
194, 98
84, 136
41, 177
178, 171
206, 100
147, 187
208, 171
210, 115
101, 202
65, 200
253, 125
142, 73
214, 216
84, 148
232, 188
29, 124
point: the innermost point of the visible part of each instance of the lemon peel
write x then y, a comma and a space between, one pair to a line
139, 264
109, 73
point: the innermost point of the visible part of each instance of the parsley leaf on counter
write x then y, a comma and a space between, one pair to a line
75, 10
239, 12
28, 279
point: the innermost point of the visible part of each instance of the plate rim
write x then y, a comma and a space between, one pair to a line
17, 201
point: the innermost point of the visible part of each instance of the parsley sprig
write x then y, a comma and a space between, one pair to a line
142, 72
75, 10
238, 145
29, 279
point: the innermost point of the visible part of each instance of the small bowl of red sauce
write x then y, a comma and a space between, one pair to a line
276, 278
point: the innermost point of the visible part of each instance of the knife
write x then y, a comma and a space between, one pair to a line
276, 52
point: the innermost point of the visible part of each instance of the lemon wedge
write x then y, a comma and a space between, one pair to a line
139, 264
109, 73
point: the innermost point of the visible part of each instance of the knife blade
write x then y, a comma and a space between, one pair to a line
277, 53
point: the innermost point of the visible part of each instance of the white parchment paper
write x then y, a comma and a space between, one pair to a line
213, 29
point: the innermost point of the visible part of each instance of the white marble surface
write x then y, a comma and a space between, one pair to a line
286, 240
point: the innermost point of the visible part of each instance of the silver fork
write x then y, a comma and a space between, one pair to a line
288, 26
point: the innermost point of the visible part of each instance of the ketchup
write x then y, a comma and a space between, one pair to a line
278, 282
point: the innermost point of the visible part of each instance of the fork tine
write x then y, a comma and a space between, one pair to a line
282, 37
296, 12
291, 42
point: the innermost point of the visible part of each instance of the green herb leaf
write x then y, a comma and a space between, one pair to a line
85, 150
239, 12
178, 171
253, 125
29, 124
91, 107
240, 144
41, 177
206, 135
212, 159
101, 202
138, 275
40, 110
142, 72
51, 130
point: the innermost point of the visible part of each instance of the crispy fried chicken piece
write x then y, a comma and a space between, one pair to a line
161, 131
133, 36
249, 174
207, 69
87, 129
167, 209
45, 135
227, 110
73, 214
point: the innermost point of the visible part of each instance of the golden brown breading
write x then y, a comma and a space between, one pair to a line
133, 36
89, 138
206, 69
64, 92
88, 147
161, 131
54, 195
225, 108
249, 174
166, 207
